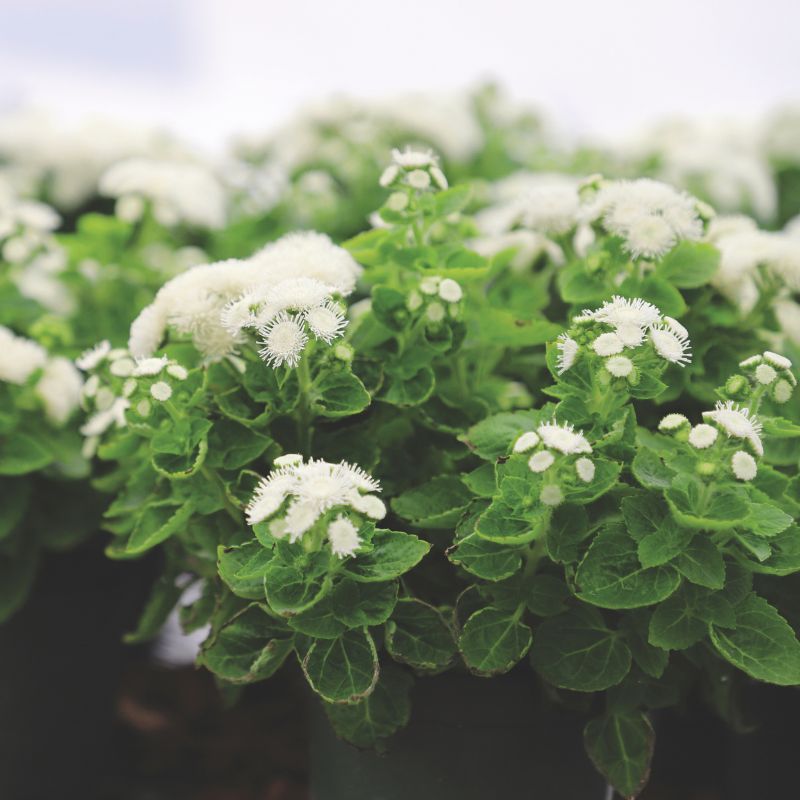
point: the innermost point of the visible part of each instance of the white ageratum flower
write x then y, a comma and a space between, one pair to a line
673, 422
703, 436
99, 422
91, 358
450, 291
343, 536
415, 168
765, 374
619, 366
551, 495
621, 311
782, 391
744, 466
282, 341
563, 438
326, 321
193, 302
777, 360
180, 192
670, 346
567, 352
527, 441
608, 344
161, 391
149, 366
737, 423
585, 469
310, 490
19, 357
649, 216
541, 461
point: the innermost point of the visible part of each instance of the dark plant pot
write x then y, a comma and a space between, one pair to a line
468, 739
61, 659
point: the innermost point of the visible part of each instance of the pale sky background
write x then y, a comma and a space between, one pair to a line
208, 68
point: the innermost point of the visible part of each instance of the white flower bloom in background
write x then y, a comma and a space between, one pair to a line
619, 366
737, 422
415, 168
122, 367
567, 352
59, 389
19, 357
282, 341
648, 215
312, 489
450, 291
703, 436
541, 461
673, 422
180, 192
670, 346
563, 438
343, 536
99, 422
585, 469
525, 442
744, 466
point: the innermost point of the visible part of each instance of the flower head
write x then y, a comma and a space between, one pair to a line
670, 346
343, 536
567, 351
563, 438
283, 339
737, 423
541, 461
744, 466
703, 436
673, 422
585, 469
527, 441
619, 366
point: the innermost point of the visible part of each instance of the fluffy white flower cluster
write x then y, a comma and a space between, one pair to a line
59, 384
193, 302
545, 203
773, 371
727, 418
417, 169
284, 315
724, 158
550, 441
120, 382
440, 296
298, 495
649, 216
633, 323
744, 252
180, 192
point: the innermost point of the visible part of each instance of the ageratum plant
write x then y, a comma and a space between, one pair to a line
550, 431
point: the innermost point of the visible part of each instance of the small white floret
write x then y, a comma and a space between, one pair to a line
343, 536
551, 495
283, 340
450, 291
702, 436
672, 422
619, 366
161, 391
541, 461
608, 344
585, 469
525, 442
744, 466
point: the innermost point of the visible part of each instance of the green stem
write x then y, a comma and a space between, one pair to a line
304, 407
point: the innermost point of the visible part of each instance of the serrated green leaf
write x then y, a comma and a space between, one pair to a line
437, 504
357, 604
488, 560
418, 635
492, 641
342, 670
393, 554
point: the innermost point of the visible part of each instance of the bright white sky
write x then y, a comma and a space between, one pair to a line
208, 68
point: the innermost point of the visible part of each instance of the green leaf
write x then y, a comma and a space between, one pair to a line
496, 326
156, 524
697, 506
577, 651
650, 470
242, 568
621, 747
451, 200
14, 497
545, 595
679, 622
406, 392
233, 446
762, 644
163, 598
502, 523
289, 589
488, 560
689, 265
393, 554
766, 520
569, 527
418, 635
21, 453
357, 604
338, 393
249, 648
437, 504
702, 563
493, 641
319, 621
493, 436
659, 538
636, 627
785, 557
611, 575
377, 716
342, 670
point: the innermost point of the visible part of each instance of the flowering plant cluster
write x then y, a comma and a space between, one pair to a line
517, 417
